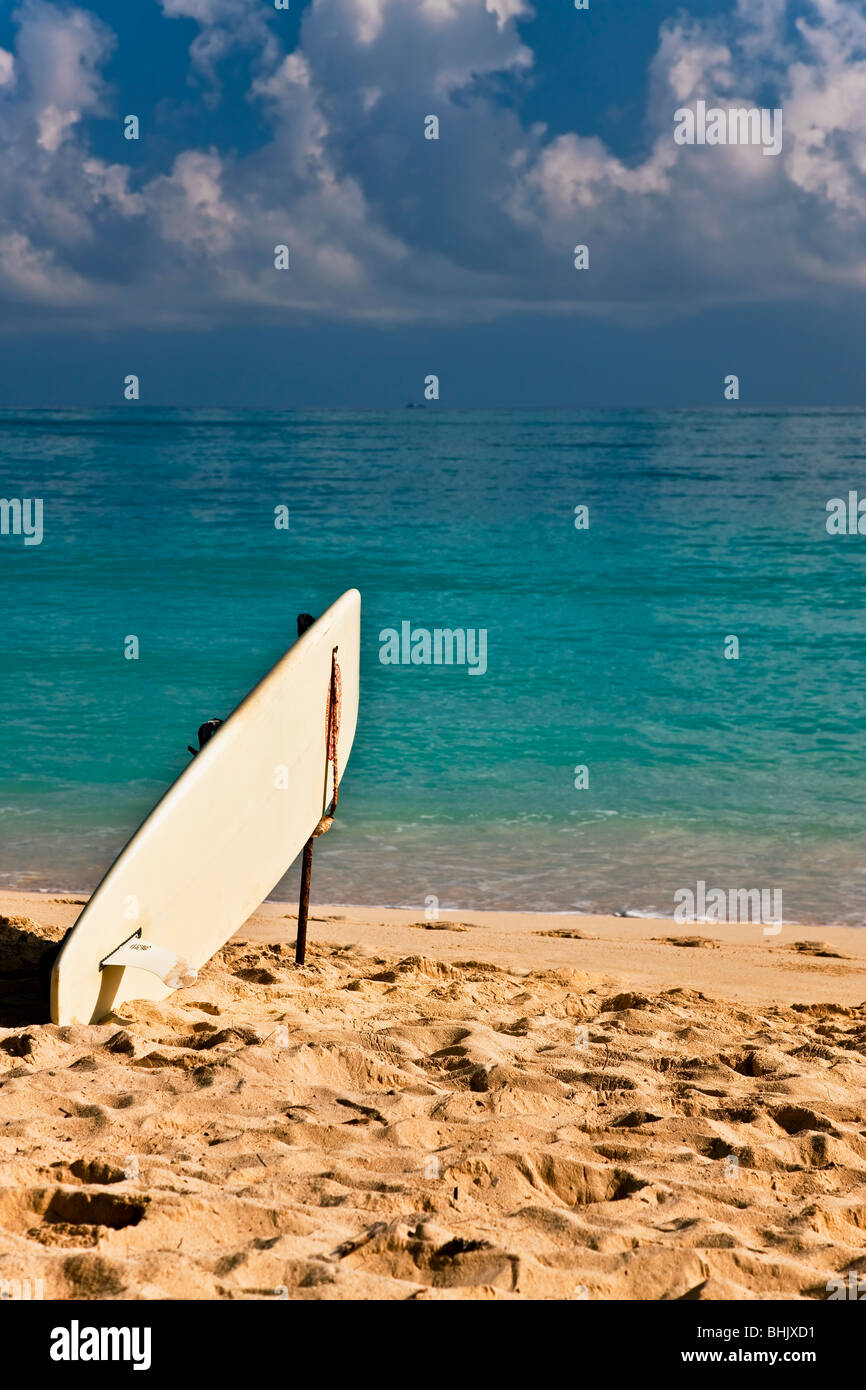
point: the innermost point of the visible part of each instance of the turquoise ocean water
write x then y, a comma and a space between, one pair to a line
605, 647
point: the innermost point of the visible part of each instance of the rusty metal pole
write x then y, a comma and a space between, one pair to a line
304, 902
305, 620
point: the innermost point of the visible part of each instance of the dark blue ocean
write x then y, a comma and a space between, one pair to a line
605, 646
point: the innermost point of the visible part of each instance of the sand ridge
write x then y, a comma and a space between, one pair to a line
398, 1125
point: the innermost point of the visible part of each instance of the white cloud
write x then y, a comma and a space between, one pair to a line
224, 25
60, 53
382, 224
368, 17
693, 64
30, 274
206, 11
192, 207
508, 9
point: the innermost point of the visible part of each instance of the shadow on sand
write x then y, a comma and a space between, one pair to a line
23, 995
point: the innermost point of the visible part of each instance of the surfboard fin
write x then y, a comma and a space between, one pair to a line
173, 970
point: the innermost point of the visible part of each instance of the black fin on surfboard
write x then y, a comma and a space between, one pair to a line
206, 732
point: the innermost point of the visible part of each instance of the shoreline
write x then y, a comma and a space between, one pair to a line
805, 965
637, 914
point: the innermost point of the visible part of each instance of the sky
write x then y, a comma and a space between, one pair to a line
305, 127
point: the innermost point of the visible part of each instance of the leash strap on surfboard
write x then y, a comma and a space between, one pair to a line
332, 738
335, 700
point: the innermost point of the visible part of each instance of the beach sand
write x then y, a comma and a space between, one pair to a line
493, 1106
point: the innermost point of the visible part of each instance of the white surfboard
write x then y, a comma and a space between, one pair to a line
222, 836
